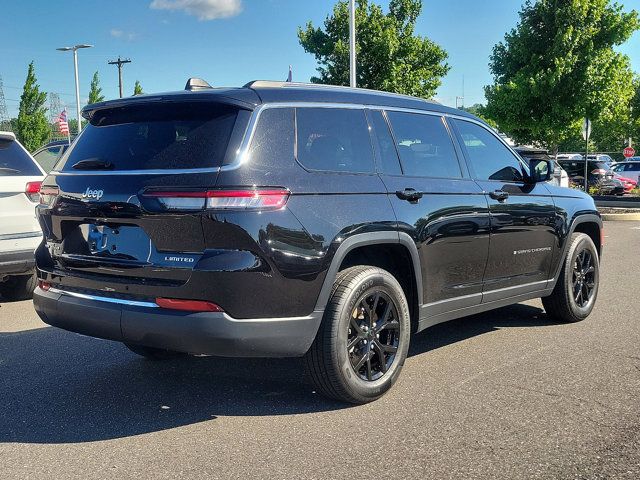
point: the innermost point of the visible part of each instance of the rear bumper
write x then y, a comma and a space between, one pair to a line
143, 323
17, 262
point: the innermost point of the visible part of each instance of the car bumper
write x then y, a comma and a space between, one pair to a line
17, 262
144, 323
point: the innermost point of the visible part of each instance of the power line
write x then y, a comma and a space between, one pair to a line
119, 63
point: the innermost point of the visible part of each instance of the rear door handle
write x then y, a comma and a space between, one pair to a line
409, 194
499, 195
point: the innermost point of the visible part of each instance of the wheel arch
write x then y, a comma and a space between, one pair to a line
351, 246
589, 224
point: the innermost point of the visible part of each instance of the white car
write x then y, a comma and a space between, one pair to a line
20, 234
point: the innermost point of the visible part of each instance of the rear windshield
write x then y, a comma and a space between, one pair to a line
154, 136
15, 161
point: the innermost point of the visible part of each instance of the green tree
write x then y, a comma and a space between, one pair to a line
390, 56
559, 65
479, 111
137, 88
32, 127
95, 93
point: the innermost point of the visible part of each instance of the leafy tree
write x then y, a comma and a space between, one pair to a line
390, 56
634, 113
557, 66
32, 127
95, 93
479, 111
137, 88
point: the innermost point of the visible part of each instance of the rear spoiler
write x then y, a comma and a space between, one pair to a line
8, 136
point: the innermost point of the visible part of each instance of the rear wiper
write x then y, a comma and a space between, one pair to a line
93, 164
10, 171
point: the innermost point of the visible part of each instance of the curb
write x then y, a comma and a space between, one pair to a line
620, 217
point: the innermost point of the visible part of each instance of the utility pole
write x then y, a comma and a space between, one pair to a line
5, 121
352, 43
119, 63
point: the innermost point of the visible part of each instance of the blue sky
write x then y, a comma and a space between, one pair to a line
171, 40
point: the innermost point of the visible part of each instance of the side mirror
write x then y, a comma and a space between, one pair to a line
540, 170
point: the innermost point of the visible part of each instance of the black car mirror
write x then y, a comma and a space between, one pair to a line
540, 170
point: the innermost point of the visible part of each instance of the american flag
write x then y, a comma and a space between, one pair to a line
63, 125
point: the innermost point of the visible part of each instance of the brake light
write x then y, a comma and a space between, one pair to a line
32, 191
255, 199
48, 195
188, 305
44, 285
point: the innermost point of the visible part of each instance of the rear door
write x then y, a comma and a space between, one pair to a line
523, 223
438, 205
124, 206
19, 183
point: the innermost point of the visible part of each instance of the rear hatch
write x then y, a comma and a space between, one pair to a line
20, 180
115, 214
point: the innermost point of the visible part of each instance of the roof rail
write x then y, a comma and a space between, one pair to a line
196, 84
280, 84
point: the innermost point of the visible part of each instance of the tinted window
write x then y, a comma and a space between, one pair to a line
490, 158
15, 161
156, 136
272, 142
334, 139
47, 158
385, 145
424, 145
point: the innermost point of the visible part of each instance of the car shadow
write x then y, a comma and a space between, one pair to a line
59, 387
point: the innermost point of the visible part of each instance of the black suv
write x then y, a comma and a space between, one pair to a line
281, 219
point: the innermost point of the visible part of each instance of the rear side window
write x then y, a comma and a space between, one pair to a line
15, 161
48, 157
490, 158
154, 136
334, 139
425, 146
385, 144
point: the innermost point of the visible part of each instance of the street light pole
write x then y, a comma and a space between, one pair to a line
75, 70
352, 43
75, 49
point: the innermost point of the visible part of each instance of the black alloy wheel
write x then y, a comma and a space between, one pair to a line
583, 278
373, 336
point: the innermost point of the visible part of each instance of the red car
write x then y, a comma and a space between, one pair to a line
628, 183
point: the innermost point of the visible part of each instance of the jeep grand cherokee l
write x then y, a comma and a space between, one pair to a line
294, 220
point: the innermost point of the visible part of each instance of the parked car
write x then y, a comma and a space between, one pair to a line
48, 155
628, 183
559, 177
281, 219
629, 169
598, 175
20, 234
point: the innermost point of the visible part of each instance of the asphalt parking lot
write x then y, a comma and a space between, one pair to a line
506, 394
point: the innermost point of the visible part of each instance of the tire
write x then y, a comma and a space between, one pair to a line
381, 340
574, 295
151, 353
19, 287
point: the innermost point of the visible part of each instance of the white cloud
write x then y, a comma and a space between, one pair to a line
203, 9
117, 33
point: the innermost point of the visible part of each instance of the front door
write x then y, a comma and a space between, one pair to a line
523, 234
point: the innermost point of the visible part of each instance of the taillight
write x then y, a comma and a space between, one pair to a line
48, 195
32, 191
188, 305
598, 171
44, 285
255, 199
